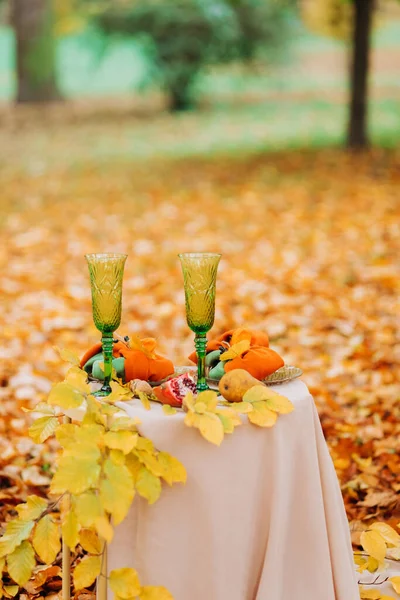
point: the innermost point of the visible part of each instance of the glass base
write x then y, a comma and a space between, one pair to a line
104, 391
202, 387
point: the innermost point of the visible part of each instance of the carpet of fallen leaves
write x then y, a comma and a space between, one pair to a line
311, 254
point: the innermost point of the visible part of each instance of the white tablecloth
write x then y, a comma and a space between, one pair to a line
260, 518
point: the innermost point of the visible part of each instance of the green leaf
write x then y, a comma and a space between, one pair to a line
148, 485
86, 571
16, 532
65, 396
125, 583
32, 509
21, 563
43, 428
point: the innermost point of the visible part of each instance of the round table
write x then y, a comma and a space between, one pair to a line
260, 518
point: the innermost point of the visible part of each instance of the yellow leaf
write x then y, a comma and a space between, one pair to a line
88, 508
124, 423
86, 571
89, 540
235, 350
240, 334
150, 461
262, 416
373, 544
134, 465
151, 592
121, 440
83, 451
169, 410
395, 581
172, 470
117, 457
125, 583
209, 398
2, 565
66, 433
211, 428
144, 399
46, 540
43, 428
21, 563
189, 401
148, 485
11, 590
388, 533
77, 378
227, 423
74, 475
145, 444
200, 408
104, 528
65, 396
68, 356
116, 491
16, 532
369, 594
241, 407
274, 401
40, 407
119, 393
32, 509
90, 433
70, 529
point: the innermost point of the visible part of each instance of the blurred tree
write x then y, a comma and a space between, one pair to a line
351, 21
181, 37
35, 50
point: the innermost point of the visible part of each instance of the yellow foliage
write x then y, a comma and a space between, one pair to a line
172, 470
104, 529
395, 581
125, 583
262, 416
86, 572
75, 475
116, 491
43, 428
16, 532
88, 508
333, 18
150, 592
46, 539
389, 535
32, 509
236, 350
148, 485
89, 540
374, 544
70, 529
121, 440
168, 410
65, 354
65, 396
21, 563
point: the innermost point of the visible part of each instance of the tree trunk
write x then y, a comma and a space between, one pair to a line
357, 135
35, 51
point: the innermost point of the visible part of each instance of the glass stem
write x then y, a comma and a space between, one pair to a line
107, 342
200, 342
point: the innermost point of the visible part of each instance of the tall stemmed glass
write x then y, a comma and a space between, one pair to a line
106, 274
199, 276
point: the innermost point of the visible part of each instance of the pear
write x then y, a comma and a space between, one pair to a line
217, 372
235, 384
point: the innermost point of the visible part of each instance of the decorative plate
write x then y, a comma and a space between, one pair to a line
282, 375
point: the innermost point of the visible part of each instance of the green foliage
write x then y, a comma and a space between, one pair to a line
182, 37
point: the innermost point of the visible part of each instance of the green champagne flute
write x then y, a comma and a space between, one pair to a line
199, 276
106, 274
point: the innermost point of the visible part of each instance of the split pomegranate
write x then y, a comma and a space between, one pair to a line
173, 391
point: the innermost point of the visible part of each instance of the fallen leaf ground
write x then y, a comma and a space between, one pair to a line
311, 247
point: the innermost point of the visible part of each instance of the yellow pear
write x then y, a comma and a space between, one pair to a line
235, 383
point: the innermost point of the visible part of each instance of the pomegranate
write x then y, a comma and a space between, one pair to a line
174, 390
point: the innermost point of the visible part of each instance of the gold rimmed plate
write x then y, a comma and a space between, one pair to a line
282, 375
